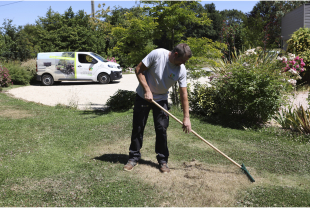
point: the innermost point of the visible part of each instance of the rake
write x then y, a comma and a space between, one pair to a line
243, 168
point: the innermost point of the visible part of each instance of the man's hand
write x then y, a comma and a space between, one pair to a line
187, 127
148, 96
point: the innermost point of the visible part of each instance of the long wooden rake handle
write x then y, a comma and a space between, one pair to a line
231, 160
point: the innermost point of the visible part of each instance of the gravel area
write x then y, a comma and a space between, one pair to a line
92, 95
83, 95
300, 99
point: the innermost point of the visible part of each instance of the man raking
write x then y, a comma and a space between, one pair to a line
157, 72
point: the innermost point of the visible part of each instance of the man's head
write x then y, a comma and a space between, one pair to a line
181, 53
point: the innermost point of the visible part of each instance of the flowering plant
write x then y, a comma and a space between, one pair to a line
130, 70
293, 65
112, 59
5, 78
251, 57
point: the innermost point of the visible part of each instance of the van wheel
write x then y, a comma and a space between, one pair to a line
47, 80
103, 78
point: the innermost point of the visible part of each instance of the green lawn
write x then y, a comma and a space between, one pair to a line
57, 156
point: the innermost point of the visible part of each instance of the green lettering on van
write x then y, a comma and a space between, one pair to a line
75, 64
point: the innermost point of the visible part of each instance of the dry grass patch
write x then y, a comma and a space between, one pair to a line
193, 184
12, 113
63, 191
188, 184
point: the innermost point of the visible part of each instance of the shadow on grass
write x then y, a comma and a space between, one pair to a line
233, 122
96, 113
99, 112
122, 158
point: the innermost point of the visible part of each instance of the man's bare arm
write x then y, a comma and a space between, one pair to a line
184, 101
148, 96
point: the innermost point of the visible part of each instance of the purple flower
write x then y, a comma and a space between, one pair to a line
297, 66
297, 58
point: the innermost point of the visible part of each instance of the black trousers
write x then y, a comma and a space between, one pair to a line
161, 123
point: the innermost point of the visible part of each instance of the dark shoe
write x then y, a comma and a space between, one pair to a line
163, 167
130, 165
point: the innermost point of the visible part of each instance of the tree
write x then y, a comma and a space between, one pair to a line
15, 45
232, 31
210, 31
172, 18
216, 18
29, 33
205, 53
263, 23
67, 32
134, 38
102, 27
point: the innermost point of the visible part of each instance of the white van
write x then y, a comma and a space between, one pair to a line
75, 66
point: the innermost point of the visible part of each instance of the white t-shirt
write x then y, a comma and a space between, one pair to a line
161, 74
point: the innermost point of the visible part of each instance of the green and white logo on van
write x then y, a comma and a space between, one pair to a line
65, 60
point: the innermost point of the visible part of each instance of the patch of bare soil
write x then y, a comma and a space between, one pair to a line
189, 184
195, 184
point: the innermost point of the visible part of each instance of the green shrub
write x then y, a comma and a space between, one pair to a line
247, 93
299, 44
202, 99
122, 100
252, 87
5, 78
19, 75
30, 65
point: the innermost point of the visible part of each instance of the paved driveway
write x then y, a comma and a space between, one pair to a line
84, 95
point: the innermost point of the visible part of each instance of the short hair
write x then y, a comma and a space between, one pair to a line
182, 49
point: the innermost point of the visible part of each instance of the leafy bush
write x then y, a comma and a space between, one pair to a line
19, 75
248, 93
5, 78
202, 99
122, 100
299, 44
30, 65
251, 88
